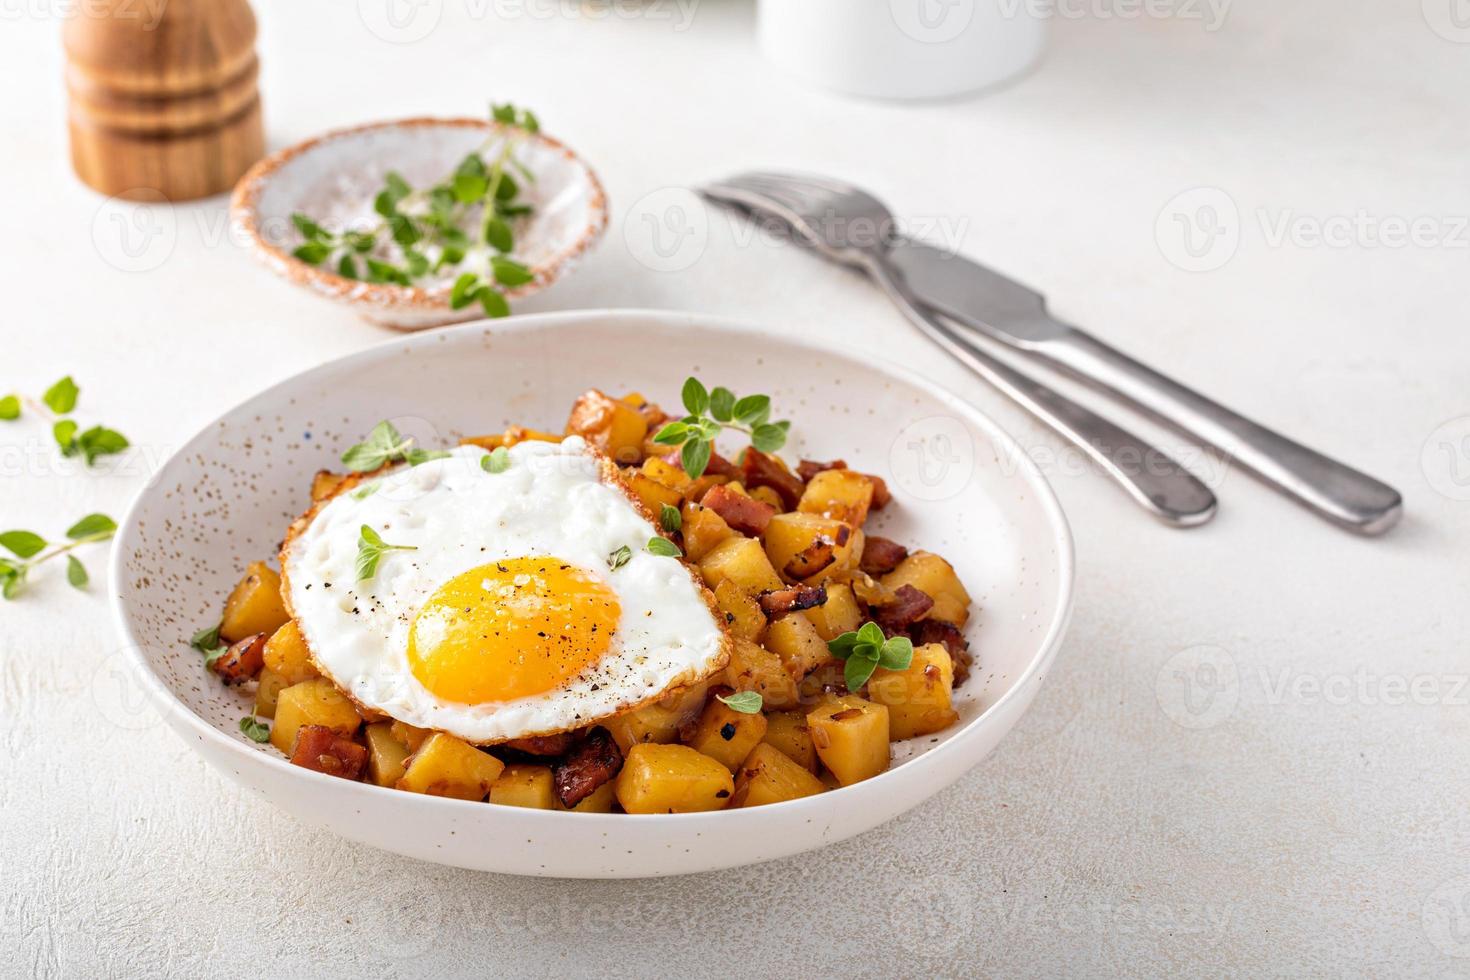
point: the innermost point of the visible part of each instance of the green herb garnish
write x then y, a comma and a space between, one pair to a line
664, 548
9, 408
256, 731
61, 397
745, 702
496, 461
866, 649
710, 412
433, 229
619, 558
207, 642
385, 445
370, 548
28, 548
669, 518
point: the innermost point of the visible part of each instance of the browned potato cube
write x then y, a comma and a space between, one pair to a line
703, 529
287, 654
839, 614
754, 668
525, 786
445, 766
788, 731
658, 722
726, 734
409, 735
672, 779
664, 473
742, 561
743, 616
610, 424
386, 754
654, 496
268, 689
851, 736
313, 702
242, 660
801, 546
768, 496
918, 698
794, 639
839, 494
324, 484
254, 606
768, 776
602, 800
935, 577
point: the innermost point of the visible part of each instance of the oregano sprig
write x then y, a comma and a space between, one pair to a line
59, 400
745, 702
371, 548
386, 445
866, 649
710, 413
423, 232
29, 549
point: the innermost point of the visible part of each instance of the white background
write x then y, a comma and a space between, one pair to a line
1300, 810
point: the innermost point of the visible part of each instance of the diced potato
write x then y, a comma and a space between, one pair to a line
602, 800
324, 483
918, 698
768, 776
754, 668
662, 472
610, 424
655, 496
870, 591
839, 494
658, 722
802, 545
788, 731
386, 754
526, 786
445, 766
698, 488
743, 615
313, 702
851, 736
839, 614
287, 654
742, 561
254, 606
269, 688
672, 779
409, 735
703, 529
795, 640
726, 734
935, 577
846, 565
768, 496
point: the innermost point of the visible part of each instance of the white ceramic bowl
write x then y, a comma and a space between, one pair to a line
340, 173
961, 487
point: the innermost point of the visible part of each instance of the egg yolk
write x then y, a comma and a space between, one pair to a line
511, 629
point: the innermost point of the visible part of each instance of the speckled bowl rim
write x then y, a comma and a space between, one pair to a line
178, 714
245, 216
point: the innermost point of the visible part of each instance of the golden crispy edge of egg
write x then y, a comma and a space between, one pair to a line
609, 475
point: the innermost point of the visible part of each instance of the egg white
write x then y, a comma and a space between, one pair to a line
551, 501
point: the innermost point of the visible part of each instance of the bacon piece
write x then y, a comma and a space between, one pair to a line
881, 494
549, 745
243, 660
809, 468
909, 605
881, 555
949, 635
328, 750
817, 555
778, 602
745, 514
766, 471
594, 761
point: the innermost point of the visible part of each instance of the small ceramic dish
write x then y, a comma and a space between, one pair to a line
335, 177
961, 487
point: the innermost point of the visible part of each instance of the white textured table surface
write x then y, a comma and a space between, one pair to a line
1300, 810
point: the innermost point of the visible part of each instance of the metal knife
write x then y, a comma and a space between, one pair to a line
1004, 310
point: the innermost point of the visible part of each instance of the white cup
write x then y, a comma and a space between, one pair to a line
903, 49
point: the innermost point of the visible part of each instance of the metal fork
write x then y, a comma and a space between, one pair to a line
854, 228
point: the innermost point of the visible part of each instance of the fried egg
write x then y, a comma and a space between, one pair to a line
501, 609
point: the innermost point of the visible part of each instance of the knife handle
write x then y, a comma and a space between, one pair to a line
1342, 495
1151, 477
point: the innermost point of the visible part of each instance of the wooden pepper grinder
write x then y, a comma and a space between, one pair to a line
163, 96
